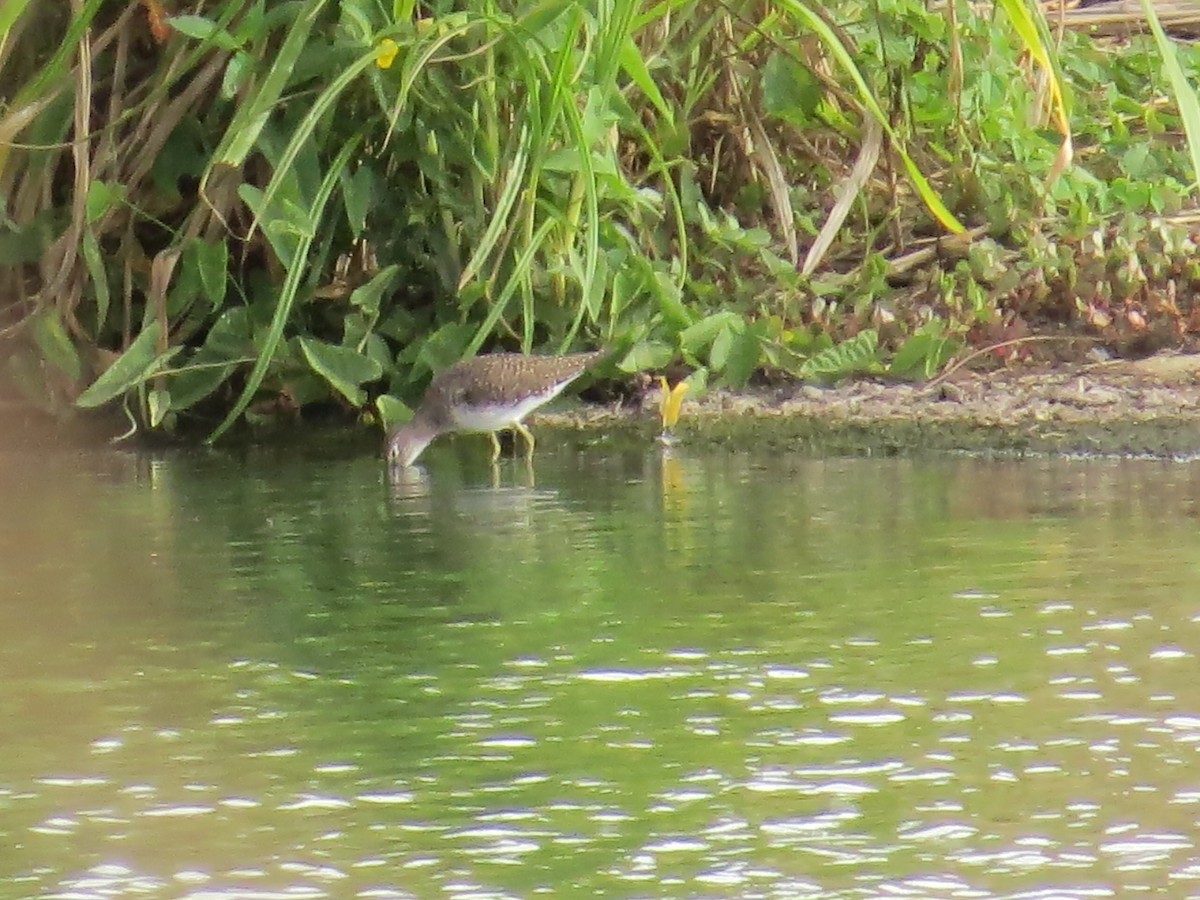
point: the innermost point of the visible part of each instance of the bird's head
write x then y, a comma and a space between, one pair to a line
405, 442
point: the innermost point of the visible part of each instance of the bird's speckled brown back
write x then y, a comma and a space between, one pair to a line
498, 378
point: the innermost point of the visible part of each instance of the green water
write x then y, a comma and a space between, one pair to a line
277, 674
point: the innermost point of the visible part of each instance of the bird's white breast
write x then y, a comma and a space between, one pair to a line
496, 417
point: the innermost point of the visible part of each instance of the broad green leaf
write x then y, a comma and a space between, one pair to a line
745, 353
186, 285
722, 345
101, 197
444, 347
281, 234
141, 361
212, 261
790, 91
392, 412
228, 344
670, 301
376, 348
923, 354
858, 355
240, 65
697, 337
647, 355
158, 402
366, 297
203, 29
344, 368
596, 120
697, 382
252, 21
304, 387
56, 346
357, 333
294, 219
195, 381
627, 283
358, 195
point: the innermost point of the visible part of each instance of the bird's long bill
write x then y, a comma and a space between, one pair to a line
406, 443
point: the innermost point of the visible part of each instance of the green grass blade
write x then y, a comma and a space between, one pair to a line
586, 177
242, 134
1185, 96
520, 270
1030, 27
305, 128
635, 67
835, 46
514, 183
57, 71
10, 11
415, 64
287, 295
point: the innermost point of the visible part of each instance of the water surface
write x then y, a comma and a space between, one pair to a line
716, 674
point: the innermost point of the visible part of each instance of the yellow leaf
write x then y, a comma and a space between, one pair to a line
670, 403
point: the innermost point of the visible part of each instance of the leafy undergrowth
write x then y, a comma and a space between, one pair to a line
256, 208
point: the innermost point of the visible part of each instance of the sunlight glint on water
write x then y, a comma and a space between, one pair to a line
717, 674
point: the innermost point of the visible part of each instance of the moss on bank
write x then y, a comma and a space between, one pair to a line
1126, 409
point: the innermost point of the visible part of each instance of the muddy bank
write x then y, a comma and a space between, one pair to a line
1147, 407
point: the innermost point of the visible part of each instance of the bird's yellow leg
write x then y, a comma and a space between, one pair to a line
528, 435
495, 446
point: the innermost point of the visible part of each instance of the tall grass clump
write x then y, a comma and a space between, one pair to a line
245, 208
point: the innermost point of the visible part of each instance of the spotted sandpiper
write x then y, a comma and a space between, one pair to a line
486, 394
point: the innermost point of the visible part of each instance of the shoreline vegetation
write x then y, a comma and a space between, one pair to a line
248, 212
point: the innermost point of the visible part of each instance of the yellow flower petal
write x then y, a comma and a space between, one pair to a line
385, 53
